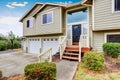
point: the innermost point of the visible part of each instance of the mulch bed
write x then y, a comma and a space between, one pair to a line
56, 58
112, 64
16, 77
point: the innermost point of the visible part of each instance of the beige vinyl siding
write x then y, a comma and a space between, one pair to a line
28, 31
99, 39
104, 18
49, 28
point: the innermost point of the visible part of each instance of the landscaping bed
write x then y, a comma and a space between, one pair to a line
110, 71
17, 77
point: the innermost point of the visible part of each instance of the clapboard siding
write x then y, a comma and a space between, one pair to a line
52, 28
99, 39
104, 18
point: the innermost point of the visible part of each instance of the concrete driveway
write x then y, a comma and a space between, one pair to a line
13, 63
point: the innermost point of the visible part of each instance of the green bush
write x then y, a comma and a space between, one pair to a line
112, 49
0, 74
16, 44
40, 71
3, 45
94, 60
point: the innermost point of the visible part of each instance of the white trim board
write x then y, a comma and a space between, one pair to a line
44, 14
113, 7
110, 33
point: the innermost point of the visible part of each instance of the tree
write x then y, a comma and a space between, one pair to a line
11, 37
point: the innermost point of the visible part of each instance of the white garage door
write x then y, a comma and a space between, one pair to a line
51, 42
34, 46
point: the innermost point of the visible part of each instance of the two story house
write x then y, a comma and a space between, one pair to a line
49, 25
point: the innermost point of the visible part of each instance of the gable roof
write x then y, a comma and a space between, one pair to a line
43, 5
87, 1
33, 7
50, 4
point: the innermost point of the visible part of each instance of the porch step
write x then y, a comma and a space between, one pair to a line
72, 48
75, 43
70, 58
72, 54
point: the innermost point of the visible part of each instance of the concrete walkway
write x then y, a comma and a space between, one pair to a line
66, 69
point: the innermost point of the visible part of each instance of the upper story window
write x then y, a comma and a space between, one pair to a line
47, 18
116, 4
29, 23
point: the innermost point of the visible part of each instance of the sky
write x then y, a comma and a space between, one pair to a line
12, 10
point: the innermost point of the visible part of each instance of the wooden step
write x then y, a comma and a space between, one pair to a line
75, 43
71, 50
70, 58
73, 54
72, 47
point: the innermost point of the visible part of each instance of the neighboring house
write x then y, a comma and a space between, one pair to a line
47, 26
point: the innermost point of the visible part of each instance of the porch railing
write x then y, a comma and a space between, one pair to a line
46, 56
84, 41
62, 45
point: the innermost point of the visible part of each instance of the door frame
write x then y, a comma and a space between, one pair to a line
71, 25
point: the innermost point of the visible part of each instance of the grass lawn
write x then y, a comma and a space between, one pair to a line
84, 73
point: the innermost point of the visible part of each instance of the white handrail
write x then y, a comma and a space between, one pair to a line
62, 45
46, 56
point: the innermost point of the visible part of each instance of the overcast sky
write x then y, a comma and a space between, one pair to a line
12, 10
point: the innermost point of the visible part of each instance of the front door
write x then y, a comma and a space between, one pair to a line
76, 32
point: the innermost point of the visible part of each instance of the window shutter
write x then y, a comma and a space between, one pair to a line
28, 23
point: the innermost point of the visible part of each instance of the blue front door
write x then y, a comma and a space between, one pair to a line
76, 32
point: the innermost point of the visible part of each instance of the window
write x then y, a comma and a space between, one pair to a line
116, 4
47, 18
113, 38
29, 23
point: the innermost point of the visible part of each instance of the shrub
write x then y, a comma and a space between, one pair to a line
112, 49
3, 45
94, 60
0, 74
16, 44
40, 71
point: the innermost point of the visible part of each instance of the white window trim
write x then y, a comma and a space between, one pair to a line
29, 24
113, 7
42, 18
111, 33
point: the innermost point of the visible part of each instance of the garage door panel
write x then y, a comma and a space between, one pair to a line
34, 46
50, 42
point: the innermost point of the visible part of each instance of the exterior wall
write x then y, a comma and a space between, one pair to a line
29, 31
104, 18
39, 28
99, 39
52, 28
